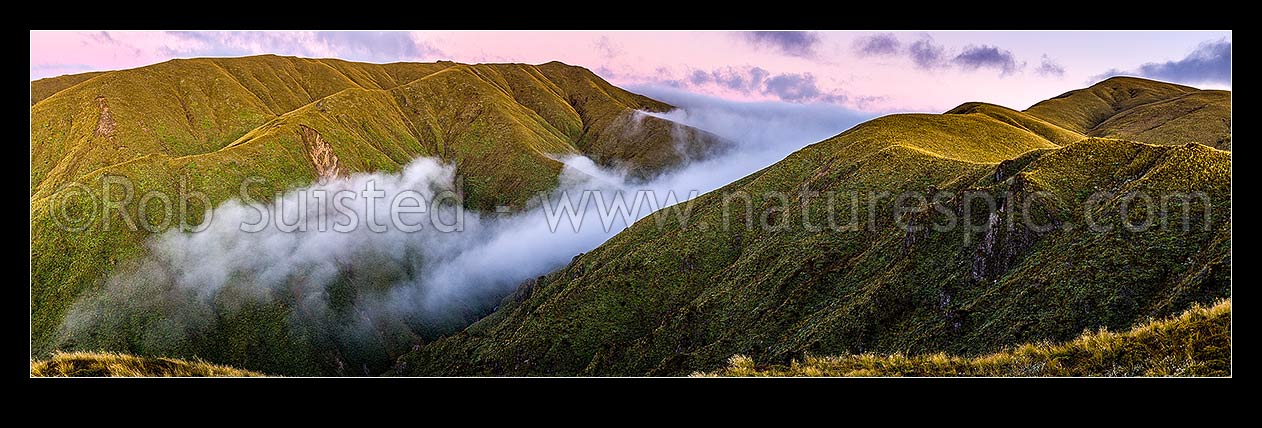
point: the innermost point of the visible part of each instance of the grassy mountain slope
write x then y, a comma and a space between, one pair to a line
1202, 116
1196, 343
199, 106
98, 364
1081, 110
687, 296
208, 124
1056, 134
43, 88
1142, 110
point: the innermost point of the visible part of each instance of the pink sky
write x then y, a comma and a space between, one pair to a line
866, 71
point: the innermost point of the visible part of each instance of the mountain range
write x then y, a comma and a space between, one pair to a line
203, 123
682, 298
669, 297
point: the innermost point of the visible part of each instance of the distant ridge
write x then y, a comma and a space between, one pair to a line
1143, 110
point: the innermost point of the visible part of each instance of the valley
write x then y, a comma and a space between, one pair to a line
909, 244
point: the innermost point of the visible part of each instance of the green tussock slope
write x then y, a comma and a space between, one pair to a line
208, 124
1195, 343
1142, 110
1202, 117
685, 296
103, 364
44, 88
1053, 133
199, 106
1082, 109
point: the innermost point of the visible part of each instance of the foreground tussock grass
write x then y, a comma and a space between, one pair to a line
100, 364
1195, 343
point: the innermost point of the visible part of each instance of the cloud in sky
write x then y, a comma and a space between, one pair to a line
895, 71
747, 80
59, 52
607, 48
1049, 68
791, 87
377, 45
877, 44
1210, 62
699, 77
926, 54
373, 46
796, 87
794, 43
986, 56
55, 69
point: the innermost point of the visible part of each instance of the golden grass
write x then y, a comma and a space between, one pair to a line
1195, 343
1141, 110
105, 364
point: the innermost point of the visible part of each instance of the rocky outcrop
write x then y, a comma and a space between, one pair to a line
104, 122
320, 153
